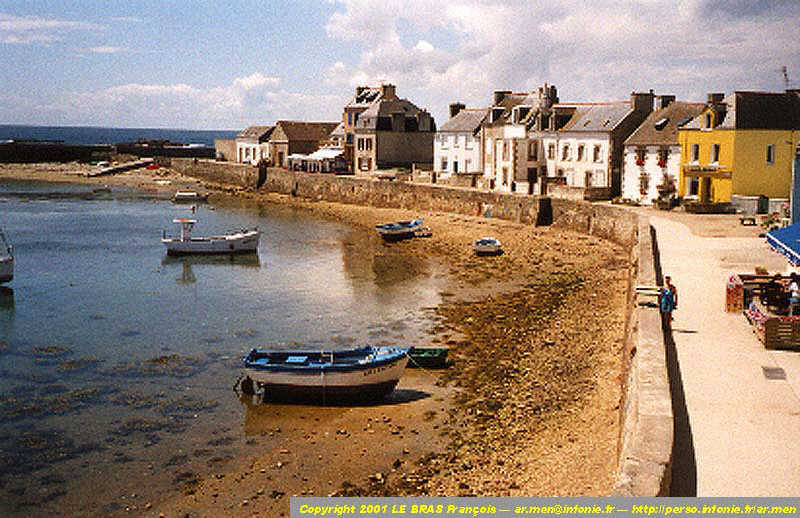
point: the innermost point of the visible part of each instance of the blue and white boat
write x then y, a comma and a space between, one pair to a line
365, 373
6, 259
487, 246
399, 230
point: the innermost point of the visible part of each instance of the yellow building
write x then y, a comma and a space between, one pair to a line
742, 145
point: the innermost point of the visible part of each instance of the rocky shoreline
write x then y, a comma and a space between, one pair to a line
530, 406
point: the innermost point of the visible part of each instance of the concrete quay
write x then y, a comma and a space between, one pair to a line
736, 430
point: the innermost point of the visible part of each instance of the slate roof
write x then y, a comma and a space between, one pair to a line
367, 96
508, 103
338, 131
466, 121
661, 126
757, 110
377, 114
597, 116
256, 132
314, 131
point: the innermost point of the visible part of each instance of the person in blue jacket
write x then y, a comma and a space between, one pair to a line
668, 301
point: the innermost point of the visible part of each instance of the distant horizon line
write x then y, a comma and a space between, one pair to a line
9, 125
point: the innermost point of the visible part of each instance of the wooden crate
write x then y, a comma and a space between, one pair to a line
781, 334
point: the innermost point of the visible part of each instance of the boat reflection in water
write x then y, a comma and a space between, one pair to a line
187, 261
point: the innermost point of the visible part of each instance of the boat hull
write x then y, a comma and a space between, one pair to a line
329, 383
428, 357
242, 243
399, 230
6, 269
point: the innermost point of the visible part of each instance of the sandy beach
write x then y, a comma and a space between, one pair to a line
529, 407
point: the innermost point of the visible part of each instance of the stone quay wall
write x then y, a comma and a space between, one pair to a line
646, 437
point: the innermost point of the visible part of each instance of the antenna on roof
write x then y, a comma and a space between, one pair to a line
785, 73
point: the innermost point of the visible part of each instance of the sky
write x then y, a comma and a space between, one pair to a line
197, 64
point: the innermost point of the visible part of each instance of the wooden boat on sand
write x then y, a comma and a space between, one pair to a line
365, 374
487, 246
428, 357
399, 230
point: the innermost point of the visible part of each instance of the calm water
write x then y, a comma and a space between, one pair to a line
114, 358
90, 135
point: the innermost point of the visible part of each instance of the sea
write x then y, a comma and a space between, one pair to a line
92, 135
118, 363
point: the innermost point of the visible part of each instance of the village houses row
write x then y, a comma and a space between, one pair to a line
647, 148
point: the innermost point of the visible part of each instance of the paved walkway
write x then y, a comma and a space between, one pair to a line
742, 436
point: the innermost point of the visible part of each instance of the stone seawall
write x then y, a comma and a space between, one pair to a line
645, 450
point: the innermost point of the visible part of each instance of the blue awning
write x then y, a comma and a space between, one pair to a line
786, 241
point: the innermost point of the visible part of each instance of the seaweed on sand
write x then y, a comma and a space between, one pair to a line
42, 401
27, 449
167, 365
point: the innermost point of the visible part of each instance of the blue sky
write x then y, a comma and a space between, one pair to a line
226, 65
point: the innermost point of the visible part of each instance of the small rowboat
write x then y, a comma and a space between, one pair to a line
428, 357
6, 259
236, 242
366, 373
399, 230
189, 197
487, 246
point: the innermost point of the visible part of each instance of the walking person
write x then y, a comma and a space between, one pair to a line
667, 302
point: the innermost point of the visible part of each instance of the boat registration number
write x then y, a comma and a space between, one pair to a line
375, 370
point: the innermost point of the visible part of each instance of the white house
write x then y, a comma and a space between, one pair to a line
457, 146
652, 152
252, 144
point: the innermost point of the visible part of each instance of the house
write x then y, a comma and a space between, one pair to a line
392, 132
502, 131
363, 99
652, 152
587, 152
252, 144
740, 146
297, 138
545, 118
457, 147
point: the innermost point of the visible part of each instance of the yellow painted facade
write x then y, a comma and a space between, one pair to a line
744, 167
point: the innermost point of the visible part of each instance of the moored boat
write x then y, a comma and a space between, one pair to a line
236, 242
487, 246
189, 197
399, 230
6, 259
362, 374
428, 357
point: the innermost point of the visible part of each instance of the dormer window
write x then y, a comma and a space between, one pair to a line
661, 123
497, 113
708, 120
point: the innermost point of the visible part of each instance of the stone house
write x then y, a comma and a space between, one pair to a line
252, 144
588, 150
652, 152
293, 137
457, 147
364, 97
392, 132
742, 145
502, 131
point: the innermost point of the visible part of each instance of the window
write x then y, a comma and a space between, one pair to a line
355, 118
455, 140
663, 156
455, 166
533, 150
565, 152
361, 144
580, 153
505, 176
443, 139
596, 154
695, 152
551, 151
714, 153
368, 144
505, 151
640, 156
349, 118
349, 138
468, 142
770, 153
467, 164
708, 120
444, 163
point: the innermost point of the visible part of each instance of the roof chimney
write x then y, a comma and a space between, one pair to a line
642, 102
499, 95
662, 101
455, 108
388, 92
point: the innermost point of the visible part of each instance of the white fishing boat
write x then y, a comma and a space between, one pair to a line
487, 246
235, 242
366, 373
189, 197
6, 259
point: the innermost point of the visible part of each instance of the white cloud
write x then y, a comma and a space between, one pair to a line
601, 50
33, 29
107, 50
251, 99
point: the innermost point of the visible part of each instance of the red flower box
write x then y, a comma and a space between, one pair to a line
639, 161
662, 163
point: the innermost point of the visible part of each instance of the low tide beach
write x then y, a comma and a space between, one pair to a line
529, 406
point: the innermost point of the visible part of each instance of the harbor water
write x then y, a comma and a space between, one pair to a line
117, 362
